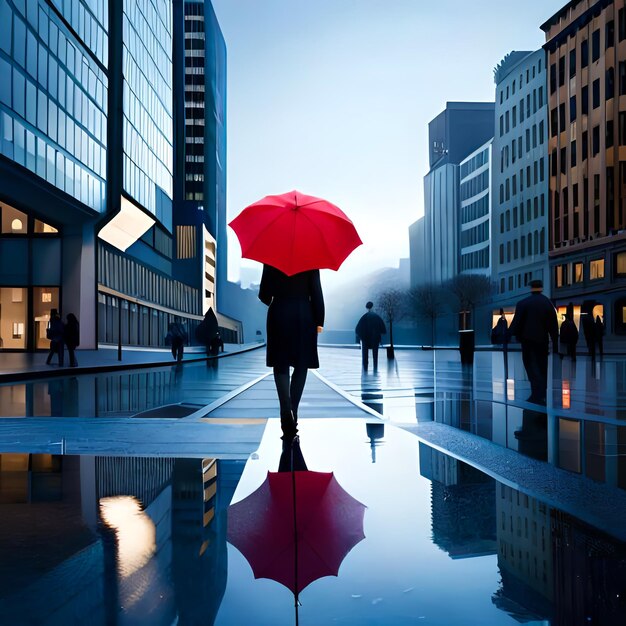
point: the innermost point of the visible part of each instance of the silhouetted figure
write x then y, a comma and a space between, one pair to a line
599, 328
55, 333
177, 336
291, 458
217, 345
534, 324
294, 319
207, 329
589, 328
500, 336
368, 331
568, 336
71, 335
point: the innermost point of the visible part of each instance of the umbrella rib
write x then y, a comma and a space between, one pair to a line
328, 250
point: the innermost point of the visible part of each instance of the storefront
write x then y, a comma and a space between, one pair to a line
30, 267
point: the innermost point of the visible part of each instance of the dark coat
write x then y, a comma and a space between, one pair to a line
71, 333
569, 332
56, 329
369, 329
207, 328
500, 332
296, 309
535, 320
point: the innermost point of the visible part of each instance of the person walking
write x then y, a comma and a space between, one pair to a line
207, 329
294, 318
368, 331
500, 336
534, 324
55, 332
568, 336
599, 328
177, 336
71, 335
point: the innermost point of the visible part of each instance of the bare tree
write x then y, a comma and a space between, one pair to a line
469, 289
427, 302
392, 305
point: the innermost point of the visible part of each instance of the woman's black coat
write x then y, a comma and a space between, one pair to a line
296, 309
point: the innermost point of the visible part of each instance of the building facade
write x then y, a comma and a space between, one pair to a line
586, 58
475, 212
520, 179
455, 133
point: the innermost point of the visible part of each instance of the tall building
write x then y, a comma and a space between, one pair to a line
475, 212
54, 85
200, 257
520, 178
457, 131
586, 56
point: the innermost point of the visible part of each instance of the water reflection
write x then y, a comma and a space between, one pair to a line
553, 567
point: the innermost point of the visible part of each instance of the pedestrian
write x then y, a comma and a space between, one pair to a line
294, 318
568, 336
71, 336
207, 329
500, 336
599, 328
589, 328
368, 331
54, 333
216, 344
534, 324
176, 336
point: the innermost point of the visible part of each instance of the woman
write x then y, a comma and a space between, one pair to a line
71, 334
294, 318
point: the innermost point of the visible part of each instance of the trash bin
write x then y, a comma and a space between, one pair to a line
466, 346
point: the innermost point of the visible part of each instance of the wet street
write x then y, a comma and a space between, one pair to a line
115, 491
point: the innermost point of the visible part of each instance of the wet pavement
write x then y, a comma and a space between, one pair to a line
514, 510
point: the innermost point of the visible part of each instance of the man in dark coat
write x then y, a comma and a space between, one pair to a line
568, 335
55, 332
207, 329
534, 324
294, 319
368, 332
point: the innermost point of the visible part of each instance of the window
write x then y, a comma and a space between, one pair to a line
572, 109
584, 53
558, 275
595, 140
573, 154
554, 122
622, 128
563, 160
609, 83
596, 269
621, 24
572, 63
595, 45
596, 93
622, 78
514, 117
561, 117
578, 272
584, 97
585, 146
620, 263
609, 38
13, 222
541, 131
553, 164
561, 71
553, 78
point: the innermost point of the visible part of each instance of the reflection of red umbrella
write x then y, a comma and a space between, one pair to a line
296, 545
294, 233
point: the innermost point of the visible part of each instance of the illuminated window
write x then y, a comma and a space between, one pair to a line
620, 263
596, 269
578, 272
558, 275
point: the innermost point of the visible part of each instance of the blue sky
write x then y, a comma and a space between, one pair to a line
333, 97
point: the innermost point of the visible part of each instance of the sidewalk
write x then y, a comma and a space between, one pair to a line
22, 365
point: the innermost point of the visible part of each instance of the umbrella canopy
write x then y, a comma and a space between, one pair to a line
328, 524
294, 232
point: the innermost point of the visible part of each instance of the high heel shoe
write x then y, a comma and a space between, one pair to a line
288, 424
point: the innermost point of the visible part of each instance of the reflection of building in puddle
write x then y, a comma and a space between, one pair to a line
113, 540
524, 555
463, 509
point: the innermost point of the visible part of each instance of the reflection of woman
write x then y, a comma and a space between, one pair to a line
294, 317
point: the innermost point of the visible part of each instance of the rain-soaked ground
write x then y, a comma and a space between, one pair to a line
143, 540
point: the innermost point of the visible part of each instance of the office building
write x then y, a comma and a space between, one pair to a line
586, 60
520, 179
475, 212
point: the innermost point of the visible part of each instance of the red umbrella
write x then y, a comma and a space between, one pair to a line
295, 545
294, 232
